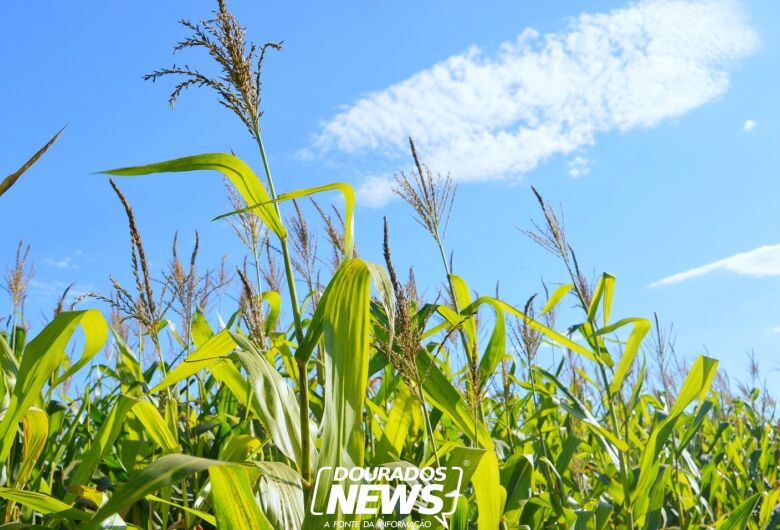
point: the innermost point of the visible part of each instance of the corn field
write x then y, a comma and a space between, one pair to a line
137, 408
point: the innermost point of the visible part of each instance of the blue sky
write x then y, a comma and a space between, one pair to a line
654, 124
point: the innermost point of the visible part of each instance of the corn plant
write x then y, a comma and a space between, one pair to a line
237, 424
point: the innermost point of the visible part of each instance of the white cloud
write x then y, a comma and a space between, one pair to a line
63, 263
579, 166
749, 125
375, 191
488, 116
67, 262
47, 289
761, 262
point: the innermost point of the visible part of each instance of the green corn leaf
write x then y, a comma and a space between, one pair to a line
552, 335
97, 335
43, 503
128, 368
396, 429
460, 519
200, 329
239, 448
35, 432
236, 170
640, 328
214, 350
197, 513
696, 384
695, 387
171, 469
556, 298
349, 208
603, 294
345, 326
489, 492
42, 357
738, 519
496, 346
281, 495
274, 302
443, 395
102, 442
517, 479
463, 300
695, 425
234, 503
276, 402
155, 426
162, 472
611, 443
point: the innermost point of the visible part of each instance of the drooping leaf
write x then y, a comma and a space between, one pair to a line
162, 472
281, 495
236, 170
276, 401
42, 503
349, 206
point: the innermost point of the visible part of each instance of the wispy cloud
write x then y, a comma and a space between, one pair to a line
66, 262
763, 261
47, 289
60, 263
749, 125
579, 166
376, 190
488, 116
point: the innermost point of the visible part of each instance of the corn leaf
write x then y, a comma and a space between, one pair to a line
349, 208
345, 324
603, 294
42, 358
236, 170
155, 426
234, 503
42, 503
11, 179
281, 495
35, 432
162, 472
738, 519
640, 328
556, 298
277, 405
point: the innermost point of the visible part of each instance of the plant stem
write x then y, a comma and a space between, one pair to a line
303, 372
283, 243
303, 379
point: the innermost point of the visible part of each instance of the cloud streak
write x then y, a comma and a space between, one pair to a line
761, 262
489, 116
